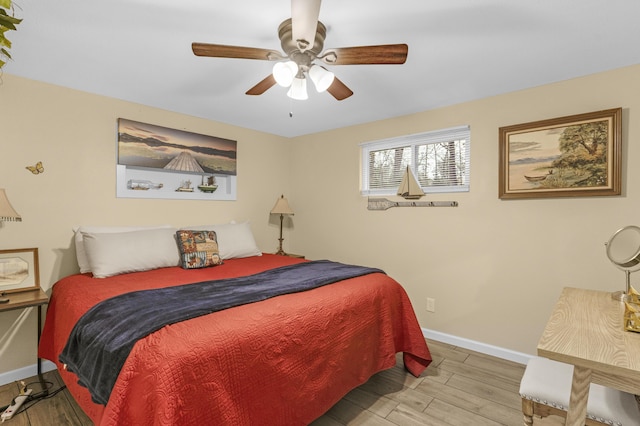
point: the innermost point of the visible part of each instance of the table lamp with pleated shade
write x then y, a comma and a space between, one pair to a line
7, 212
282, 208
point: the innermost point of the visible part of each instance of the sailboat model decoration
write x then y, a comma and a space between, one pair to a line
409, 189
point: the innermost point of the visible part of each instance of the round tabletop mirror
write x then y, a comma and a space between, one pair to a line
623, 250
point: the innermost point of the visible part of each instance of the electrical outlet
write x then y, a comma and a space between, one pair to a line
431, 304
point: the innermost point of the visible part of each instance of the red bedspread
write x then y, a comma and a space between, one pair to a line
282, 361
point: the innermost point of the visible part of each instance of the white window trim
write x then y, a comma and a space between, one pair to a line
436, 136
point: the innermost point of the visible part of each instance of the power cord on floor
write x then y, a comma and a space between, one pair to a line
33, 398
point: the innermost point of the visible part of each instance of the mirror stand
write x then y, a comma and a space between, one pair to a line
622, 296
623, 250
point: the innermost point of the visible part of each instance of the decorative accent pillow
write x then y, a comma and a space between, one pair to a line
234, 239
198, 249
121, 252
81, 254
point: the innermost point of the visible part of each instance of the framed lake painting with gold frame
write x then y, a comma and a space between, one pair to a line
573, 156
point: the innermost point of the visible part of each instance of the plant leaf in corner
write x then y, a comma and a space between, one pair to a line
5, 4
8, 21
5, 42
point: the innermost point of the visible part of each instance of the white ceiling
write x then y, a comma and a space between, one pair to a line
459, 50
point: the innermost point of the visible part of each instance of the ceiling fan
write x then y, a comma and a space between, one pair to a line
302, 40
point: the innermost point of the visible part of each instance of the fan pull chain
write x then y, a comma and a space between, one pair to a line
290, 108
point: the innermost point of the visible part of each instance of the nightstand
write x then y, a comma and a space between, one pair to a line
27, 299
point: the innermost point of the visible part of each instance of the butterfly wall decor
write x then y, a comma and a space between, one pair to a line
37, 169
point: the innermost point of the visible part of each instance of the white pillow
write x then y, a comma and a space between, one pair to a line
234, 239
121, 252
81, 254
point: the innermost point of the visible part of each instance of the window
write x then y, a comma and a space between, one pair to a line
439, 161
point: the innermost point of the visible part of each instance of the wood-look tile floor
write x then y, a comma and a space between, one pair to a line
460, 388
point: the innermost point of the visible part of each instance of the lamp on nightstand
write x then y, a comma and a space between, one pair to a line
281, 208
7, 212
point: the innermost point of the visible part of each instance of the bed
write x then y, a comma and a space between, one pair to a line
282, 361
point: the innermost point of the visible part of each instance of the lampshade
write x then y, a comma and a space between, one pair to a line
7, 212
321, 77
285, 72
282, 207
298, 89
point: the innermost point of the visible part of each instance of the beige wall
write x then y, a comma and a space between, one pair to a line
494, 267
74, 135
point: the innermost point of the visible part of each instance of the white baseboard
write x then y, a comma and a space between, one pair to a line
519, 357
24, 372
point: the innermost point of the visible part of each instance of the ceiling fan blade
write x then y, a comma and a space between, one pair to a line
224, 51
362, 55
304, 22
339, 90
263, 86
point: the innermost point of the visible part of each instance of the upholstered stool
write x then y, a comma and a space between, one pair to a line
546, 386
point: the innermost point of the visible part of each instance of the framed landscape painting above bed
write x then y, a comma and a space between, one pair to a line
159, 162
573, 156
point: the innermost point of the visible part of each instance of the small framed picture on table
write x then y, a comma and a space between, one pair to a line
19, 270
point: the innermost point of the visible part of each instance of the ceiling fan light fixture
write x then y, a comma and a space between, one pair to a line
285, 72
298, 89
321, 77
302, 40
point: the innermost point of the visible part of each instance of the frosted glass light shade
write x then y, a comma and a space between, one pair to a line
298, 89
285, 72
321, 77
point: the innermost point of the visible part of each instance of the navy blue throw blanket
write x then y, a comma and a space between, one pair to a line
102, 338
